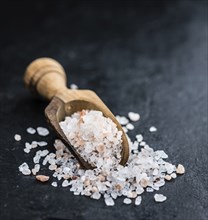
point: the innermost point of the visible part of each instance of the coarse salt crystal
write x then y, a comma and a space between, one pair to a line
42, 143
42, 131
109, 201
180, 169
139, 137
159, 197
27, 150
122, 120
130, 126
42, 178
138, 200
173, 175
149, 189
31, 130
65, 183
168, 177
143, 143
127, 201
26, 172
17, 137
54, 184
96, 195
133, 116
23, 166
152, 129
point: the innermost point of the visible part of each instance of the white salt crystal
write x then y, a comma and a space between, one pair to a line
149, 189
161, 154
130, 126
127, 201
36, 158
36, 169
152, 129
138, 200
42, 143
27, 150
44, 153
159, 197
54, 184
34, 144
23, 166
52, 167
31, 130
139, 137
65, 183
17, 137
42, 131
96, 195
143, 143
73, 86
26, 172
173, 175
134, 116
109, 201
24, 169
122, 120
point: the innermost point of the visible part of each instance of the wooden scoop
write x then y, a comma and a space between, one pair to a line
47, 77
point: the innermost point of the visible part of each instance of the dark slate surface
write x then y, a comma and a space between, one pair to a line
144, 56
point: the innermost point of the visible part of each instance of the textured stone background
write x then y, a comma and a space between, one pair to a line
143, 56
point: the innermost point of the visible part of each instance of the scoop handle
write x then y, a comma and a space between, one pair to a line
46, 77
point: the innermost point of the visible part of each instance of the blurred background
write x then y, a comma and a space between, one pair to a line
147, 56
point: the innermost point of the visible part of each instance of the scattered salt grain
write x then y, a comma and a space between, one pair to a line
159, 197
122, 120
173, 175
34, 144
96, 195
149, 189
168, 177
42, 131
152, 129
143, 143
42, 143
130, 126
27, 150
133, 116
17, 137
54, 184
138, 200
139, 137
127, 201
180, 169
24, 169
26, 172
36, 169
44, 153
42, 178
109, 201
31, 130
65, 183
73, 86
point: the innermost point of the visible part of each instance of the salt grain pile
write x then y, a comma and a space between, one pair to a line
98, 141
